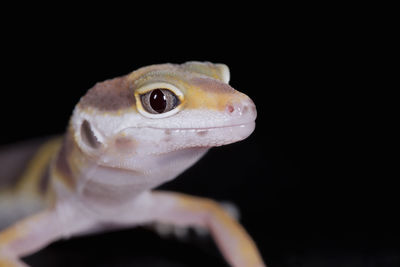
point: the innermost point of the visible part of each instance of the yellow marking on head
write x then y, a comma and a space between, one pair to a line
205, 84
216, 71
196, 98
199, 90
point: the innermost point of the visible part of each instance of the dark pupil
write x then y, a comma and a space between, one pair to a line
158, 101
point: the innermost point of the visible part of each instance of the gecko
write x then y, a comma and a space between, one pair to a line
126, 136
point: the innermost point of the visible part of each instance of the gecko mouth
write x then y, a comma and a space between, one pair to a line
205, 129
152, 143
209, 136
160, 140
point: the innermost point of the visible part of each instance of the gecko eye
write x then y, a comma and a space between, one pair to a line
159, 101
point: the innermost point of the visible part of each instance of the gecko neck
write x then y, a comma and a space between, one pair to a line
111, 186
102, 187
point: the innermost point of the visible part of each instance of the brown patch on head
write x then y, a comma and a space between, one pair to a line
125, 145
110, 95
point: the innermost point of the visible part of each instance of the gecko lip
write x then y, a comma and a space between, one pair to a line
176, 129
160, 140
206, 136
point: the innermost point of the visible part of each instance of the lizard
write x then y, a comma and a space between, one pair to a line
126, 136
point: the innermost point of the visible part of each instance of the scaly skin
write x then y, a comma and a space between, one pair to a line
126, 136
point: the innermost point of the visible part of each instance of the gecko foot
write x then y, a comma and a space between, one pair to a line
183, 232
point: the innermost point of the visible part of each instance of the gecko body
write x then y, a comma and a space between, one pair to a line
127, 136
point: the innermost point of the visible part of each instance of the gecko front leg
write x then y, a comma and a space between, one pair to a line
35, 232
233, 241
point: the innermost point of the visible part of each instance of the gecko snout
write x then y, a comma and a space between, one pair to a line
244, 109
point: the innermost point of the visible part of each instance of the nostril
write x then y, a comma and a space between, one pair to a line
237, 109
240, 109
230, 108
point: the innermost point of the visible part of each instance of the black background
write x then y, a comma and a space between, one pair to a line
312, 181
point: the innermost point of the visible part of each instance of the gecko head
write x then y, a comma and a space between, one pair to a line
161, 112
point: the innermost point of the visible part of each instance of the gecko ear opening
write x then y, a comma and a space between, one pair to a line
88, 136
